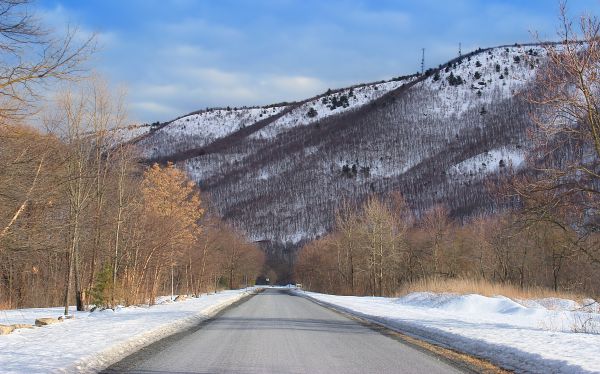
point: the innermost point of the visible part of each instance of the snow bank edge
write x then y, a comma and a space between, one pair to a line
410, 331
102, 360
501, 356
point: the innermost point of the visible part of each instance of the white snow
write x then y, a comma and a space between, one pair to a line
489, 162
127, 133
526, 336
217, 123
323, 108
93, 341
517, 67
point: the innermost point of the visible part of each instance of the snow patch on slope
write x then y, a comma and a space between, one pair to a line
489, 162
217, 123
198, 130
486, 77
329, 105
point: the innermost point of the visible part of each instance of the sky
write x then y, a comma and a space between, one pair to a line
178, 56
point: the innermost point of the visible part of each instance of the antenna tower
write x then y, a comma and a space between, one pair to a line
422, 60
459, 49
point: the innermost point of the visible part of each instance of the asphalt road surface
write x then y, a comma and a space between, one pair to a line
275, 332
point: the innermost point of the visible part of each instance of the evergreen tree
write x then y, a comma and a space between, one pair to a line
100, 293
312, 112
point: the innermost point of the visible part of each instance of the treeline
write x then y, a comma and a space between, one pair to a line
379, 247
81, 220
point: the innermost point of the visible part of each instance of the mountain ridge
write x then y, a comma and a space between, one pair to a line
437, 138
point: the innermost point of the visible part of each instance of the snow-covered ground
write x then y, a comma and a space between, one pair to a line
93, 341
541, 336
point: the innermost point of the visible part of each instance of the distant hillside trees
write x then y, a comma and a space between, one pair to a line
376, 249
454, 80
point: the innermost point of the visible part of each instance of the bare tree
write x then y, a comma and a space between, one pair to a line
566, 188
32, 57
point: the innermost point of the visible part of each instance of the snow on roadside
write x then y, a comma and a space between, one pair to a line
535, 338
93, 341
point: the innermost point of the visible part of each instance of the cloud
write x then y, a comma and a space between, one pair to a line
178, 56
297, 85
210, 86
190, 27
153, 108
62, 21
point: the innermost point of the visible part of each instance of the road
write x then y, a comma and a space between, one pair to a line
275, 332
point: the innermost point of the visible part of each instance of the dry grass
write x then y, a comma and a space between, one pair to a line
463, 286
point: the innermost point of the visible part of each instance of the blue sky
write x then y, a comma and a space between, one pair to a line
177, 56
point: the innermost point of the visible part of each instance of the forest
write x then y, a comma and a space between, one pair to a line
83, 221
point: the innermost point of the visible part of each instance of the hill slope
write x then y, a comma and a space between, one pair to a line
280, 172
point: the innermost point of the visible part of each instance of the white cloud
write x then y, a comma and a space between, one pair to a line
153, 108
295, 85
194, 26
197, 87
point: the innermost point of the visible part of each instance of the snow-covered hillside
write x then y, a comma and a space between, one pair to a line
127, 134
436, 138
328, 105
216, 123
533, 336
478, 81
200, 129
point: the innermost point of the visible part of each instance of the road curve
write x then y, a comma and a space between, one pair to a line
275, 332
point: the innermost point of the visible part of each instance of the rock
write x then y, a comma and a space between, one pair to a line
181, 298
46, 321
22, 326
5, 329
69, 316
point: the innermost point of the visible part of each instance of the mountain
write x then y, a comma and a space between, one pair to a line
280, 171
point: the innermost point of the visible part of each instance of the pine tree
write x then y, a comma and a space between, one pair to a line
312, 112
100, 293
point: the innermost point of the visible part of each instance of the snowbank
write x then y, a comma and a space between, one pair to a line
93, 341
534, 336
